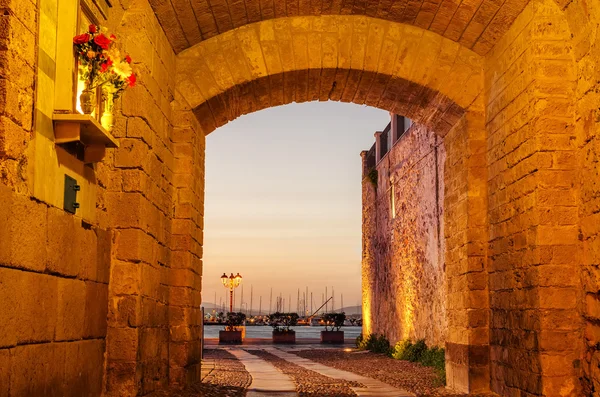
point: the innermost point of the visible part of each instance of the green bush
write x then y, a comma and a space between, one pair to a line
419, 352
434, 357
374, 343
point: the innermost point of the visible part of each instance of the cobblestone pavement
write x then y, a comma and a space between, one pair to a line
423, 381
225, 376
228, 378
309, 383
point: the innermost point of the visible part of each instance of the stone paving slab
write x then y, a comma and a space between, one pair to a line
267, 380
206, 368
374, 387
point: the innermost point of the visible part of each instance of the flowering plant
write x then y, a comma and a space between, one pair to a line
101, 64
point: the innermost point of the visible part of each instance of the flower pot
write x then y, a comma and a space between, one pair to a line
284, 337
332, 336
86, 100
230, 336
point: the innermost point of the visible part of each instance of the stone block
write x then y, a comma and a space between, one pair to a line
103, 251
557, 298
132, 154
71, 309
122, 379
37, 308
62, 249
125, 311
91, 369
5, 372
10, 314
122, 344
96, 310
23, 227
13, 138
134, 245
126, 278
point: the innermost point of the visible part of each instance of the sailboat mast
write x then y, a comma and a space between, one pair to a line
251, 296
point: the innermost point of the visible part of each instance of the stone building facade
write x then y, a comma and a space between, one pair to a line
108, 299
403, 234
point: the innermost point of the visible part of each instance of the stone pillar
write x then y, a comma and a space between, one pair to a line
185, 282
467, 346
535, 249
139, 180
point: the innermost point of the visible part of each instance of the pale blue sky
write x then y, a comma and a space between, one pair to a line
283, 201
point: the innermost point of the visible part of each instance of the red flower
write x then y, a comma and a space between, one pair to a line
127, 59
81, 39
104, 67
102, 41
131, 80
93, 29
113, 37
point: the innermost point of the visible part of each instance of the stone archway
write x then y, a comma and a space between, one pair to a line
397, 67
528, 170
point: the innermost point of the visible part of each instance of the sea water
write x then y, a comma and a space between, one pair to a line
265, 331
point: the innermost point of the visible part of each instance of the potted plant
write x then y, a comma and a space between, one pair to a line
282, 323
333, 323
233, 332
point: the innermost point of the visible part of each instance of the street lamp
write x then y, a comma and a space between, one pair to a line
231, 282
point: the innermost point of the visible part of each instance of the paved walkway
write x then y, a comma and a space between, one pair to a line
374, 388
266, 379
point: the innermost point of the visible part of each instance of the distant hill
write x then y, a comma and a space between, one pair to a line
208, 306
351, 310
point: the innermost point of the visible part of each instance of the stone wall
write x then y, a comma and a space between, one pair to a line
535, 240
403, 243
110, 302
54, 268
583, 18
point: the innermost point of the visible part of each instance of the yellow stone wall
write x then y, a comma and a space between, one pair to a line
535, 245
518, 114
403, 241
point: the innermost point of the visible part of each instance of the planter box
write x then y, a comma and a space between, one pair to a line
332, 336
230, 336
284, 337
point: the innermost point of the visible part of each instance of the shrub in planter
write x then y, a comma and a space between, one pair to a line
282, 323
233, 332
333, 323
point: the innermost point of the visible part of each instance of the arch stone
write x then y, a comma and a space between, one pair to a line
475, 24
349, 58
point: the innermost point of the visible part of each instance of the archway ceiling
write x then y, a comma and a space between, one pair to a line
475, 24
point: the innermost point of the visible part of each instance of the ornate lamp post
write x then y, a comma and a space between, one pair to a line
231, 282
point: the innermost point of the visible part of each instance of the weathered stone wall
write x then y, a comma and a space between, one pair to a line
535, 234
54, 269
153, 202
18, 59
583, 18
403, 241
67, 327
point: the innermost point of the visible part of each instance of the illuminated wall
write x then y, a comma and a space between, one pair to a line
404, 290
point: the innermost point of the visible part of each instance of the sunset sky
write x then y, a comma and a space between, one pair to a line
283, 202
